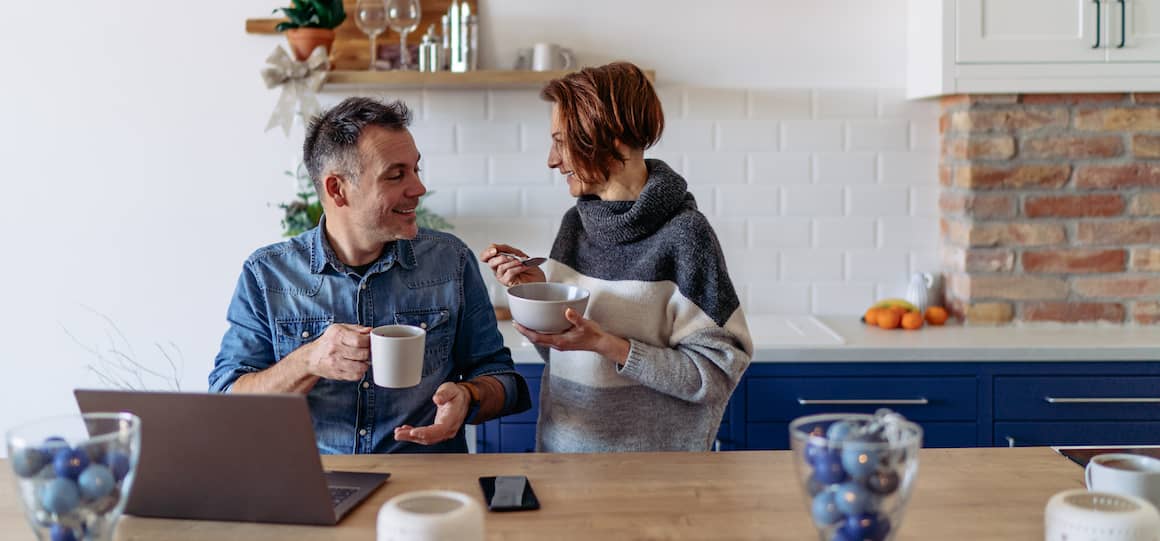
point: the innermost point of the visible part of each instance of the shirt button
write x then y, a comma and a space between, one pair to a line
422, 325
363, 286
305, 334
362, 432
366, 385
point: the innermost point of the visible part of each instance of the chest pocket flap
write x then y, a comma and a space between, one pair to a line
293, 333
440, 334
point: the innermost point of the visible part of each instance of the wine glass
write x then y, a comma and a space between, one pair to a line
371, 18
404, 17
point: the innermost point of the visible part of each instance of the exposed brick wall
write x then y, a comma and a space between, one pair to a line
1050, 207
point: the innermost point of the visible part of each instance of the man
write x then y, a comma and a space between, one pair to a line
303, 309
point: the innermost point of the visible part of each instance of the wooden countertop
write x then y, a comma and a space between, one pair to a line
961, 494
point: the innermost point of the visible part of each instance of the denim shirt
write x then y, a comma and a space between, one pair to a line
290, 292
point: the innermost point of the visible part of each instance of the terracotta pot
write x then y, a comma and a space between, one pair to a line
304, 40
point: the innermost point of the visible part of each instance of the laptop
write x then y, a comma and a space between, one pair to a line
245, 457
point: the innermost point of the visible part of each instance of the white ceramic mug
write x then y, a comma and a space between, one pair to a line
550, 57
1122, 473
397, 355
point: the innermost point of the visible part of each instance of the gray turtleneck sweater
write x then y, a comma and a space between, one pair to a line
657, 278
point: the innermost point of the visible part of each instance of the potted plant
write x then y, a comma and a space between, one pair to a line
310, 23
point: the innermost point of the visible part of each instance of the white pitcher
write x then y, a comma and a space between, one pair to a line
924, 289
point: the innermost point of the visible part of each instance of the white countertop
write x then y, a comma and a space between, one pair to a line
845, 339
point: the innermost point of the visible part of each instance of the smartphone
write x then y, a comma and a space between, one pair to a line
508, 493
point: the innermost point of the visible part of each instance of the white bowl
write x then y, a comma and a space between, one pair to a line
540, 306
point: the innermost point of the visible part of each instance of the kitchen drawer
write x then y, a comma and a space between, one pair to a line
1119, 398
1085, 433
943, 398
934, 434
517, 438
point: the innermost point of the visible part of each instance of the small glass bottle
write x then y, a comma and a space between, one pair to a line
429, 46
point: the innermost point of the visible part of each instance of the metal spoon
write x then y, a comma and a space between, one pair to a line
526, 261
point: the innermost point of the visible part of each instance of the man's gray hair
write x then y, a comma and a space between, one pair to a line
332, 137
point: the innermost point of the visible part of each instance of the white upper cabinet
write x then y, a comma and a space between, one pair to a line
1028, 31
981, 46
1134, 31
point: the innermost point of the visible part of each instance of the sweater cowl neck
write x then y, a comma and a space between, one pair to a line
618, 222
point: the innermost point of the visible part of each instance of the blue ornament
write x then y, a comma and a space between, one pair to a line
852, 499
883, 482
840, 430
866, 527
62, 533
60, 496
28, 462
118, 462
824, 509
70, 463
828, 468
53, 443
96, 482
816, 444
859, 459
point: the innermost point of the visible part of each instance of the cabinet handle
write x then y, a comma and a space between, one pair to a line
1123, 24
865, 402
1067, 400
1010, 441
1099, 27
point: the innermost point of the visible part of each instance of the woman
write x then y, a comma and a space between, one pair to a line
664, 343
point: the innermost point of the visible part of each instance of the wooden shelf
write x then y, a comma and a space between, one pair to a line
446, 79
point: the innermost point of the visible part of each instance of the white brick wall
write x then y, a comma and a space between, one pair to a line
823, 199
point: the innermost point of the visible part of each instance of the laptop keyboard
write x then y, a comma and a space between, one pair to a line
338, 494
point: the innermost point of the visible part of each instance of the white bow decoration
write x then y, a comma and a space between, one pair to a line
300, 81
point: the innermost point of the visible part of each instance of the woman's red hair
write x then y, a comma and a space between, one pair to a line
600, 106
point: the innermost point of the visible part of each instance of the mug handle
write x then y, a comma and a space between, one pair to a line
1087, 475
569, 60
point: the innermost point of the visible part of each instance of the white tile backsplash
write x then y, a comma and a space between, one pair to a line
715, 103
844, 233
490, 137
845, 103
918, 168
877, 135
822, 199
812, 200
812, 135
780, 168
704, 168
794, 104
844, 168
877, 201
519, 169
746, 135
842, 298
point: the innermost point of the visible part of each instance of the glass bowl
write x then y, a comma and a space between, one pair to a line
856, 472
75, 472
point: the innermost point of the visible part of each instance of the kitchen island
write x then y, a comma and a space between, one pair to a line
961, 494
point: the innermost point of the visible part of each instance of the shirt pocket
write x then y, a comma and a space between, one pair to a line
293, 333
437, 344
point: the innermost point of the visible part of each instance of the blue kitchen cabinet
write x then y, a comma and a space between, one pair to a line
958, 404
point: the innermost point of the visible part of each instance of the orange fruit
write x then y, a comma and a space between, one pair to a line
912, 321
889, 319
871, 317
936, 315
